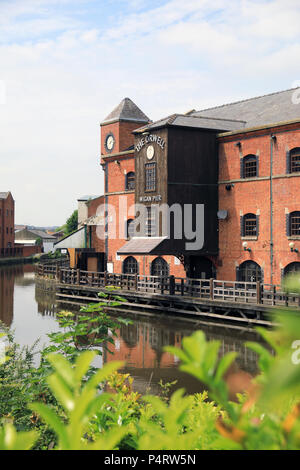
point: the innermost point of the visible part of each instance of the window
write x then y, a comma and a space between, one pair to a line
249, 167
151, 226
150, 177
130, 266
130, 232
294, 224
130, 181
159, 267
293, 160
249, 225
249, 271
292, 268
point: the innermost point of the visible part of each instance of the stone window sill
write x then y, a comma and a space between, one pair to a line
249, 238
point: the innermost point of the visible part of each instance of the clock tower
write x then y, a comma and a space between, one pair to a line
117, 127
118, 163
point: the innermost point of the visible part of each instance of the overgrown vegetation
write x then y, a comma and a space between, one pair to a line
67, 403
72, 223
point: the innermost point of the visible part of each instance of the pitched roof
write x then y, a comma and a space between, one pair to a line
127, 110
253, 112
199, 122
42, 234
259, 111
4, 195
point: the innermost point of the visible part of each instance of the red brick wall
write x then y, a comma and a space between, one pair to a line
122, 132
253, 197
7, 222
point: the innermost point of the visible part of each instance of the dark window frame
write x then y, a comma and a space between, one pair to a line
150, 176
130, 181
130, 265
247, 166
160, 264
128, 230
294, 224
249, 271
249, 225
292, 157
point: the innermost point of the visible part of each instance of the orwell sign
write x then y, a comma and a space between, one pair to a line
148, 139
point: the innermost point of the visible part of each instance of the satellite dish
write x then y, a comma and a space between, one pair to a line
222, 215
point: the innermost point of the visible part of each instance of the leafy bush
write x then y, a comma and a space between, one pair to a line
81, 407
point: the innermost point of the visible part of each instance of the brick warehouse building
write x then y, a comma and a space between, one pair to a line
242, 161
7, 223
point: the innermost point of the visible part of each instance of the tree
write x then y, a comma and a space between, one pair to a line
72, 222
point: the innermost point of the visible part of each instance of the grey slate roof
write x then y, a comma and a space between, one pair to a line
127, 110
181, 120
42, 234
263, 110
30, 234
3, 195
253, 112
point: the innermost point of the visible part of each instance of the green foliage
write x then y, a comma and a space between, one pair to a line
11, 440
76, 406
39, 241
80, 401
72, 223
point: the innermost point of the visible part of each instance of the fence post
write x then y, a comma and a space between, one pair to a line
258, 293
78, 276
136, 282
105, 278
211, 289
57, 272
182, 287
274, 296
172, 285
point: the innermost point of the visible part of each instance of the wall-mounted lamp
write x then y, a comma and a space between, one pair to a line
245, 246
117, 162
238, 144
146, 133
293, 249
273, 137
228, 187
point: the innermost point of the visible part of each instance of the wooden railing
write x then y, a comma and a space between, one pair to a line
233, 292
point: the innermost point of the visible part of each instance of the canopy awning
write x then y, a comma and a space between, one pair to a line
141, 246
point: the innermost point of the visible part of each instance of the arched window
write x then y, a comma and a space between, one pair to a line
130, 266
130, 228
292, 268
249, 166
249, 271
130, 181
249, 225
293, 224
159, 267
293, 160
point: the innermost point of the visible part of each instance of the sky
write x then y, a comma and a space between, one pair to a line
66, 64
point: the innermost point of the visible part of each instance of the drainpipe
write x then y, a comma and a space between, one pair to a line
273, 140
85, 236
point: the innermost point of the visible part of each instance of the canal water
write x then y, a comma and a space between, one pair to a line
30, 311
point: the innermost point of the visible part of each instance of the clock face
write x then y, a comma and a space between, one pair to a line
150, 152
110, 142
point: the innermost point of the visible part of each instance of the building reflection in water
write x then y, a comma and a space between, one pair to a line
141, 346
7, 284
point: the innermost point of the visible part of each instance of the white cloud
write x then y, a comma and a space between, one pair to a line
65, 73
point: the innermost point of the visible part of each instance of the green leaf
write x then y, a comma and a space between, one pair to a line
224, 364
53, 421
